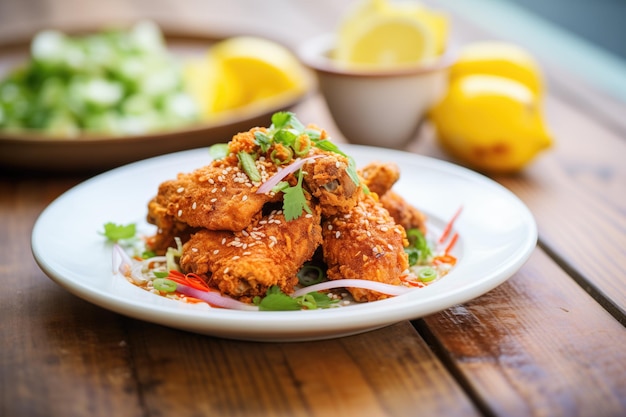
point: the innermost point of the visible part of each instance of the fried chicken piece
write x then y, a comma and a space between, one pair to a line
244, 264
365, 243
379, 177
219, 196
168, 228
403, 212
328, 180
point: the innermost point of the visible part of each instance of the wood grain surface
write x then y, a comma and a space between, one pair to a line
548, 342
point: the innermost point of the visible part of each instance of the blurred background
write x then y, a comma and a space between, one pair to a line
586, 36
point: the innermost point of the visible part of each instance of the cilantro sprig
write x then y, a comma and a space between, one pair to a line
419, 251
116, 232
276, 300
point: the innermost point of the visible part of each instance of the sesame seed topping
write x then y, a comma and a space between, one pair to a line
213, 200
216, 251
234, 258
226, 270
244, 198
180, 189
194, 205
180, 213
384, 229
337, 234
246, 253
194, 249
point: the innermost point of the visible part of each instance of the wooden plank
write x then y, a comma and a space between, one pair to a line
387, 372
535, 346
60, 356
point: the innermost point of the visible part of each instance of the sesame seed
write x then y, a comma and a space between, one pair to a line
180, 189
308, 215
194, 205
244, 198
369, 234
337, 164
211, 181
246, 253
271, 245
223, 241
330, 227
216, 251
194, 249
234, 258
389, 246
273, 239
337, 234
214, 190
213, 200
226, 270
384, 229
223, 189
246, 234
180, 213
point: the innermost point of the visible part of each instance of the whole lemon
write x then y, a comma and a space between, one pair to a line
490, 123
499, 58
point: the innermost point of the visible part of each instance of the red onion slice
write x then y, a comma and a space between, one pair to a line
282, 173
354, 283
214, 298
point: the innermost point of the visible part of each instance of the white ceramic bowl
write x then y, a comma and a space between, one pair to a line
376, 107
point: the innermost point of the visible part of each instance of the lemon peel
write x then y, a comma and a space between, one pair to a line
490, 123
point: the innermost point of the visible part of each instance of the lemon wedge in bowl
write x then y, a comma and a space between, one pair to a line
242, 71
381, 34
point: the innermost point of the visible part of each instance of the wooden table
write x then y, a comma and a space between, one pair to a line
548, 342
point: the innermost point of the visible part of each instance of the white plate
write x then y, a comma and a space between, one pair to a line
497, 234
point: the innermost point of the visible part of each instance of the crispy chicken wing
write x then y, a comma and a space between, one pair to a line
244, 264
365, 243
380, 177
328, 180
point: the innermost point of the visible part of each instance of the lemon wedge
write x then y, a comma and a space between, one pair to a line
490, 123
499, 58
243, 70
378, 33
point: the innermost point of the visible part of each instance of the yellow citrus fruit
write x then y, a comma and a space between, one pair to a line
490, 123
499, 58
243, 70
378, 33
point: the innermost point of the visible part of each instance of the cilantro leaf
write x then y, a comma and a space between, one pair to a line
294, 200
419, 251
276, 300
115, 232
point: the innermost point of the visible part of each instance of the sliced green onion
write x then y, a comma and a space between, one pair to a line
302, 145
219, 151
164, 285
281, 155
310, 274
427, 274
247, 162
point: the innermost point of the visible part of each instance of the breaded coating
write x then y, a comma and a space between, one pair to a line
244, 264
402, 212
328, 180
365, 243
379, 177
219, 196
168, 228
